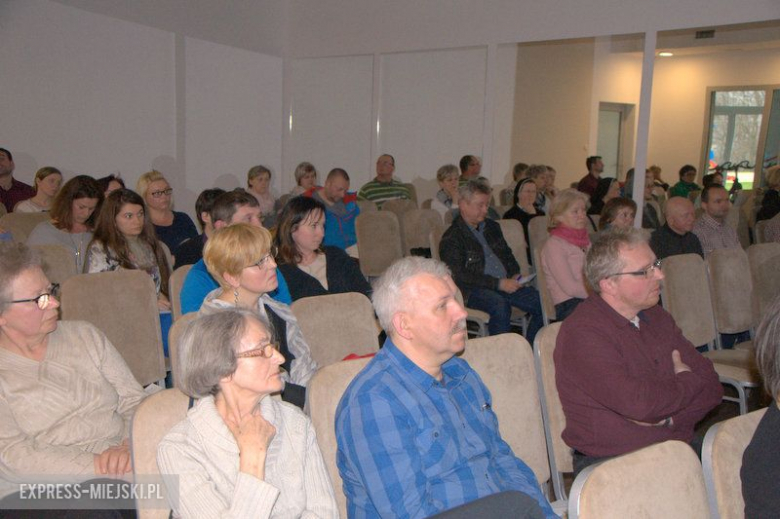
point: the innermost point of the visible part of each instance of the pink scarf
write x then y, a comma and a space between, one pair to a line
577, 237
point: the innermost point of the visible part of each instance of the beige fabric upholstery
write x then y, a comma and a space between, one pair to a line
366, 206
686, 295
503, 208
537, 233
434, 238
658, 211
732, 290
764, 262
175, 282
515, 238
758, 231
399, 206
122, 304
559, 453
548, 307
155, 416
412, 192
20, 225
724, 445
177, 328
426, 203
663, 480
336, 325
379, 241
417, 225
506, 365
322, 397
58, 264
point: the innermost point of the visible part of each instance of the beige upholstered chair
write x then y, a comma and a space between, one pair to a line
515, 238
177, 328
416, 226
758, 231
367, 206
412, 192
663, 480
724, 445
399, 206
434, 238
537, 233
426, 203
548, 307
155, 416
122, 304
322, 397
658, 211
503, 208
686, 295
20, 225
731, 287
336, 325
58, 262
764, 262
378, 241
559, 453
175, 282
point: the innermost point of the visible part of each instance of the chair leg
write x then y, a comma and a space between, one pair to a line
741, 398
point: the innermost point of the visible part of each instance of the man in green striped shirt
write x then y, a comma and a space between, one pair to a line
384, 187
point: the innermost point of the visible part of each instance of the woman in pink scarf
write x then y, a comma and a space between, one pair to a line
563, 254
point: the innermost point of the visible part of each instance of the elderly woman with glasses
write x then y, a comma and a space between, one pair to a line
66, 395
172, 227
240, 452
241, 259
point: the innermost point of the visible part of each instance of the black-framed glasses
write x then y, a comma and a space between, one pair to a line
44, 299
265, 261
162, 192
646, 273
265, 352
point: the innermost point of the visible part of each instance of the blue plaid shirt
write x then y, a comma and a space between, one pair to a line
411, 446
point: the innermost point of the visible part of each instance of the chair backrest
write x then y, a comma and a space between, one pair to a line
20, 225
399, 206
426, 203
503, 208
686, 295
153, 418
177, 328
658, 211
559, 453
537, 233
58, 264
506, 365
378, 240
416, 226
721, 457
663, 480
758, 231
412, 192
123, 305
732, 290
764, 262
515, 238
175, 282
325, 390
366, 206
505, 196
548, 307
434, 238
336, 325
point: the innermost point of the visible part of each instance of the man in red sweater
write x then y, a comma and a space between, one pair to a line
626, 376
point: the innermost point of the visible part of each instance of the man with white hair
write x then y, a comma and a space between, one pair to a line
415, 429
675, 236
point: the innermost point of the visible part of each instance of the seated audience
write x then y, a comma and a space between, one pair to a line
618, 212
519, 172
470, 168
191, 250
172, 227
687, 183
760, 470
239, 452
124, 239
73, 214
446, 199
589, 182
341, 210
111, 183
541, 176
305, 178
770, 203
12, 191
240, 259
675, 236
483, 266
523, 209
607, 189
415, 430
310, 268
711, 228
47, 183
658, 182
67, 395
384, 187
551, 191
650, 217
563, 254
258, 181
626, 376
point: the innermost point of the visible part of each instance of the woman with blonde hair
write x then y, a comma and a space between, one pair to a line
172, 227
47, 183
563, 254
241, 260
305, 178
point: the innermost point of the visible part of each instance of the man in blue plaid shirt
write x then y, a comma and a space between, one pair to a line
415, 429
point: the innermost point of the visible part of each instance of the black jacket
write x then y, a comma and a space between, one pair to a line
665, 242
342, 272
461, 251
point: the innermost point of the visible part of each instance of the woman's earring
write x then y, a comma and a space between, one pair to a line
235, 295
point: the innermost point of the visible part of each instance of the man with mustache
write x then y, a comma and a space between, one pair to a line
415, 429
626, 376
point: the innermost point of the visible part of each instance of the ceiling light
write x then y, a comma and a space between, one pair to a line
665, 54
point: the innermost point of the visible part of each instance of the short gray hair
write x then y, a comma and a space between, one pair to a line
448, 170
208, 347
388, 297
767, 346
603, 258
476, 186
15, 258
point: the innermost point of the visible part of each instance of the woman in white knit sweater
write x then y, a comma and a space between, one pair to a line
239, 452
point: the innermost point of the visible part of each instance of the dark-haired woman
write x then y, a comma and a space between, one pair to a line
310, 268
524, 209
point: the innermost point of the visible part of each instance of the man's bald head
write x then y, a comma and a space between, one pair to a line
680, 214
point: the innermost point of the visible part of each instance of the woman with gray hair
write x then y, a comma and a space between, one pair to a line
760, 470
240, 452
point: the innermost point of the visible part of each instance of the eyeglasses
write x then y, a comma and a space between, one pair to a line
42, 300
162, 193
265, 261
265, 352
646, 273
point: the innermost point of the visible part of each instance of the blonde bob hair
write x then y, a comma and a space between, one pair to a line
147, 178
233, 248
562, 203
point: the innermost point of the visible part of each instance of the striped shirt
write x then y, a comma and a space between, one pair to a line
380, 192
714, 235
412, 446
